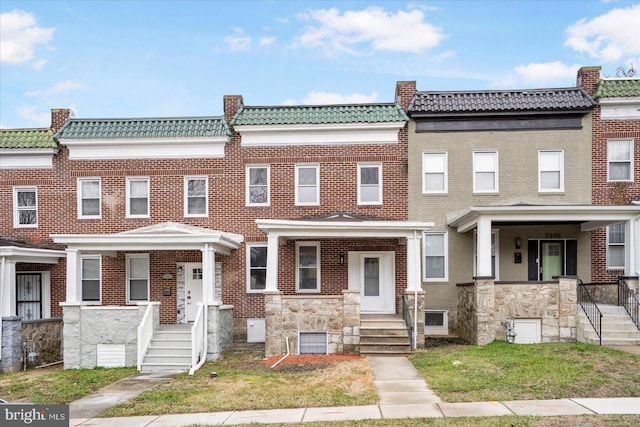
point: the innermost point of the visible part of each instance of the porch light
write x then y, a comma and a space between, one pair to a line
341, 259
518, 242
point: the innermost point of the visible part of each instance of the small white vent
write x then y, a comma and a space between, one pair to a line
111, 355
312, 343
436, 322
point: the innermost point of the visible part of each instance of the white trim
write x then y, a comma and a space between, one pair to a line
496, 175
45, 281
370, 165
445, 235
145, 148
248, 266
186, 196
630, 161
16, 217
319, 134
495, 234
246, 178
148, 278
81, 259
445, 157
437, 330
342, 229
317, 267
31, 255
131, 179
27, 158
541, 168
316, 167
609, 245
80, 198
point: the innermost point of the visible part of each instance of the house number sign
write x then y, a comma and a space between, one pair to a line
552, 235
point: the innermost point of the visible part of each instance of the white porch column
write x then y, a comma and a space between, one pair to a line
74, 291
7, 288
208, 275
630, 248
483, 236
272, 262
414, 263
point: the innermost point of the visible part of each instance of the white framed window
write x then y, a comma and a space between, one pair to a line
196, 196
89, 198
258, 185
550, 171
436, 322
495, 254
256, 267
370, 184
138, 197
307, 185
620, 160
485, 171
25, 207
436, 268
91, 277
615, 247
308, 266
137, 277
434, 173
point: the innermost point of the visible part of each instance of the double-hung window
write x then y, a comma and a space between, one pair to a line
620, 160
258, 182
435, 253
90, 271
370, 184
89, 190
25, 207
485, 172
195, 196
308, 266
137, 277
307, 185
615, 247
434, 172
138, 197
257, 267
550, 170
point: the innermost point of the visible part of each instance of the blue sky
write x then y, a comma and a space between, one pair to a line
178, 58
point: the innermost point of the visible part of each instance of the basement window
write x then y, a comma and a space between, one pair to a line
312, 343
436, 322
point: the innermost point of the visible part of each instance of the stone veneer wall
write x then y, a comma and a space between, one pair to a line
338, 316
11, 344
46, 334
219, 330
604, 294
87, 326
466, 321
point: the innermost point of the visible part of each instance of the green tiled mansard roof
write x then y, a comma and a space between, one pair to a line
27, 138
164, 127
618, 88
319, 114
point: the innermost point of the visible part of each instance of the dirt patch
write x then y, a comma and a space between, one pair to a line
299, 364
310, 358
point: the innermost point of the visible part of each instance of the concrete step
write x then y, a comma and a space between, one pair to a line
178, 351
164, 343
385, 350
151, 367
175, 359
617, 328
172, 335
384, 339
390, 331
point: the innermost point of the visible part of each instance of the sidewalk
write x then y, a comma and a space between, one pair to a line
402, 390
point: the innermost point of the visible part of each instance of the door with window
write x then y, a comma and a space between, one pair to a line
551, 258
193, 289
373, 274
29, 296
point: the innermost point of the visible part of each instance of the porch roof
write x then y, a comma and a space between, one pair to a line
163, 236
19, 251
349, 228
590, 217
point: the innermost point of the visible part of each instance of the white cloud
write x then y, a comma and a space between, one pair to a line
348, 32
37, 65
30, 113
324, 98
19, 33
545, 74
266, 41
57, 88
238, 41
610, 37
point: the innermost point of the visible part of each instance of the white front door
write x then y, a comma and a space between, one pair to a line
193, 289
373, 273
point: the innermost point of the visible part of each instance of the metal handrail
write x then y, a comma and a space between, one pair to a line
590, 309
628, 300
406, 315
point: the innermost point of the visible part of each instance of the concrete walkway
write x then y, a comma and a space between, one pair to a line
402, 390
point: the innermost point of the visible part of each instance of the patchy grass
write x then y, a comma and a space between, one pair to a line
245, 383
55, 385
502, 371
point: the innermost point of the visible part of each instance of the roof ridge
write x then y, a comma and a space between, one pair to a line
368, 104
133, 119
572, 88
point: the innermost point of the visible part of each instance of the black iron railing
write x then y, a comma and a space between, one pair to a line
406, 315
591, 309
628, 300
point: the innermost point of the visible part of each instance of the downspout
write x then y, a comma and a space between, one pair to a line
2, 285
415, 298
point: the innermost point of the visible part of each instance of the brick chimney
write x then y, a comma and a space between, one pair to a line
232, 104
58, 117
588, 79
404, 92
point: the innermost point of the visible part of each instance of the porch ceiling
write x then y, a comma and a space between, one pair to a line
590, 217
342, 229
163, 236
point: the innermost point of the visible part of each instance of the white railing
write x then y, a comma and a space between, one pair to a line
145, 333
199, 339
